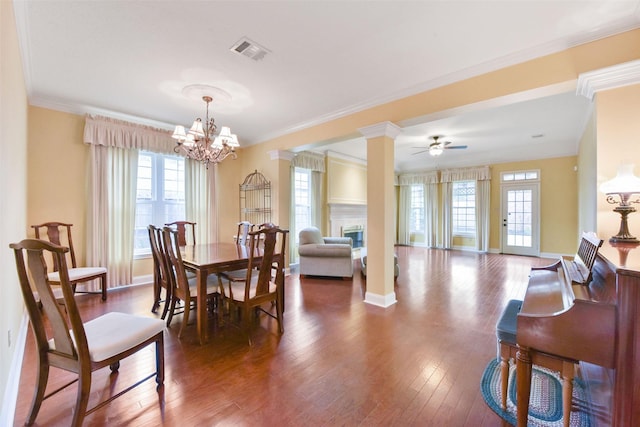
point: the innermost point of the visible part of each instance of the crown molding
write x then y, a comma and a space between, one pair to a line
346, 157
381, 129
612, 77
281, 155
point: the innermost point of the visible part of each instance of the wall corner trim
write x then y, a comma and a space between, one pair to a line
619, 75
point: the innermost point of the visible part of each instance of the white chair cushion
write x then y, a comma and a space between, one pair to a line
237, 288
213, 285
114, 332
77, 273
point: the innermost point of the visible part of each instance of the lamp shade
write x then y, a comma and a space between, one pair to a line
625, 182
179, 133
196, 129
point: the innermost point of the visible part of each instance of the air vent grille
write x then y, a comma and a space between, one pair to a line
250, 49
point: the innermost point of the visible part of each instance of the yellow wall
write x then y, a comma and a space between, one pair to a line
618, 130
558, 203
58, 161
13, 195
346, 181
587, 178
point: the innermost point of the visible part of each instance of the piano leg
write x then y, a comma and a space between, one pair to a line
523, 382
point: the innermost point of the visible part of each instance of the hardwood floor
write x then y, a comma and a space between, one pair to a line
339, 361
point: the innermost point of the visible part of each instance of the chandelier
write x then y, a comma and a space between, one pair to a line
202, 144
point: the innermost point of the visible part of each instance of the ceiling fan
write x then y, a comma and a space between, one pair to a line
437, 147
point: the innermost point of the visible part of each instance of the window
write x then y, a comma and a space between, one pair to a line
464, 208
302, 191
532, 175
416, 216
159, 195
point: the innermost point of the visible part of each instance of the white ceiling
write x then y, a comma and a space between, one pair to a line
131, 60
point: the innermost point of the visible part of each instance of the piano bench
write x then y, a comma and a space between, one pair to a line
506, 329
506, 333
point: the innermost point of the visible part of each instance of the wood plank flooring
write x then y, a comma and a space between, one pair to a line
340, 362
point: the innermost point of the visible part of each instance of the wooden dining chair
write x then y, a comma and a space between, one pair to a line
65, 342
59, 233
242, 236
263, 282
181, 227
183, 289
160, 272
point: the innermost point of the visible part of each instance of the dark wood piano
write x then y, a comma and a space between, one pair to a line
597, 323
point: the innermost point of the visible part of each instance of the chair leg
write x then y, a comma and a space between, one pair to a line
160, 361
279, 315
38, 395
82, 399
156, 295
167, 299
185, 317
103, 286
172, 307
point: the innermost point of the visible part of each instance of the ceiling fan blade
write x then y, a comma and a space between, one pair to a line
419, 152
456, 146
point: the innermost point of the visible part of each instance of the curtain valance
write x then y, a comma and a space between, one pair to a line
482, 173
418, 178
309, 160
110, 132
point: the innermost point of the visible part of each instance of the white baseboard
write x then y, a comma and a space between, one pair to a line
8, 410
380, 300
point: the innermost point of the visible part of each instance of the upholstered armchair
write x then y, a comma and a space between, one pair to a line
324, 256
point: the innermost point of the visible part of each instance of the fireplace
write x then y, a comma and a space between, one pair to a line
356, 232
344, 216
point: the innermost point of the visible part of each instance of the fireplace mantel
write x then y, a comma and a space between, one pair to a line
346, 215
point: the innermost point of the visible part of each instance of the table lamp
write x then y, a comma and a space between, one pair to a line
624, 185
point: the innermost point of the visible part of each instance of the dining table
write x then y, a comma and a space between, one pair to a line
215, 258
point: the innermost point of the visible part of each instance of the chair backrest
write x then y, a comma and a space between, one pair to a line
242, 236
177, 274
181, 228
58, 233
61, 318
160, 266
273, 241
310, 235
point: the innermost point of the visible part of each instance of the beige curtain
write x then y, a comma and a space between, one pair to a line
483, 202
316, 163
111, 213
431, 214
200, 197
112, 191
429, 180
404, 235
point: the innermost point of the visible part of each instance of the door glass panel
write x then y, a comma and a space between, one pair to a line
519, 218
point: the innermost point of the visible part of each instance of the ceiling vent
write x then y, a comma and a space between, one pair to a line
250, 49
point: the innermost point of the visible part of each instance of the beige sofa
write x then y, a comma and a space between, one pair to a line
324, 256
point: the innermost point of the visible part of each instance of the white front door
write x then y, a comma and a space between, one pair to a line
520, 224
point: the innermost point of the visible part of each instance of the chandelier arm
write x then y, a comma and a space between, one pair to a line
201, 148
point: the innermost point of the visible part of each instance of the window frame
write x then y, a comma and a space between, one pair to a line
456, 230
417, 206
160, 205
297, 190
